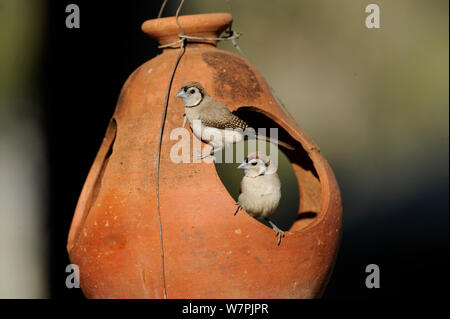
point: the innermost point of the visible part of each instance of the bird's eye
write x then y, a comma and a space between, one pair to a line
253, 163
192, 91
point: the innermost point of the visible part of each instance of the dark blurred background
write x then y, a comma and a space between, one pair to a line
375, 101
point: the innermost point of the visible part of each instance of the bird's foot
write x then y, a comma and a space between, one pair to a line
201, 155
280, 234
278, 231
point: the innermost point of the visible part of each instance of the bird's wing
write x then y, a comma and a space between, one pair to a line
235, 122
217, 115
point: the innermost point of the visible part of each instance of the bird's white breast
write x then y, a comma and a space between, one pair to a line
217, 137
261, 195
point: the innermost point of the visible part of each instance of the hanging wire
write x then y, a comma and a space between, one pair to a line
242, 54
232, 35
162, 9
161, 131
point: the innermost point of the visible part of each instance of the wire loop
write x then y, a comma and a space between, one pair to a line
232, 35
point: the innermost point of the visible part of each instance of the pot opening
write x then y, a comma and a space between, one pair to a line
300, 185
111, 138
93, 184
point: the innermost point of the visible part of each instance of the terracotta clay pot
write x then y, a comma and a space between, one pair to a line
208, 252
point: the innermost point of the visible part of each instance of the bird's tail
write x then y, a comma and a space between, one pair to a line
276, 142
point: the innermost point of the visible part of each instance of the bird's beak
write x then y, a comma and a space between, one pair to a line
243, 165
182, 94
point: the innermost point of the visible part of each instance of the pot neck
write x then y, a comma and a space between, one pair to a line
166, 30
189, 45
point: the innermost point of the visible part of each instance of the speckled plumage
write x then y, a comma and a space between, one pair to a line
212, 113
215, 119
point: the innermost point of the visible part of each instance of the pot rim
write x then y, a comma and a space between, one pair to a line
209, 25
